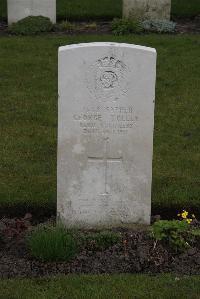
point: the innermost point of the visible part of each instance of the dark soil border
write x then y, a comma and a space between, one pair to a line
191, 26
137, 252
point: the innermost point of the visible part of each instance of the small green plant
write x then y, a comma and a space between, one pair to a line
101, 240
177, 233
52, 243
172, 232
161, 26
31, 25
125, 26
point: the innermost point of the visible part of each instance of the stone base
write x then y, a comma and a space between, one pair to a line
147, 9
19, 9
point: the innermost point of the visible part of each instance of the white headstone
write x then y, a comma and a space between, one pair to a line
19, 9
147, 9
105, 134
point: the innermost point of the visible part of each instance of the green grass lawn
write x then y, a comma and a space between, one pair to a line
185, 8
88, 9
103, 287
28, 121
107, 9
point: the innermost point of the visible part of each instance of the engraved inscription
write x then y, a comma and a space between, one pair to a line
105, 159
107, 79
106, 119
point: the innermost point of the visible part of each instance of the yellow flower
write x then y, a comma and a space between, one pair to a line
189, 221
184, 214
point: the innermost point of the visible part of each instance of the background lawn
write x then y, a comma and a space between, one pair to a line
28, 121
103, 287
185, 8
107, 9
88, 9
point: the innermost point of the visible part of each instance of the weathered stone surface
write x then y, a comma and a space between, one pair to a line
105, 134
19, 9
147, 9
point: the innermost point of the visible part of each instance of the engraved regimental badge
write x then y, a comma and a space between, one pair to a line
107, 79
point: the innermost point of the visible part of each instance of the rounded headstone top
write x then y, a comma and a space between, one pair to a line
107, 44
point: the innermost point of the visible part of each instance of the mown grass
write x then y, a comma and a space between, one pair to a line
28, 121
102, 287
88, 9
185, 8
107, 9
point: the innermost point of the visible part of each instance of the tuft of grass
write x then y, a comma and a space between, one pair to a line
31, 25
52, 244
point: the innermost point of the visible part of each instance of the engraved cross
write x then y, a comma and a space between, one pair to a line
105, 159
